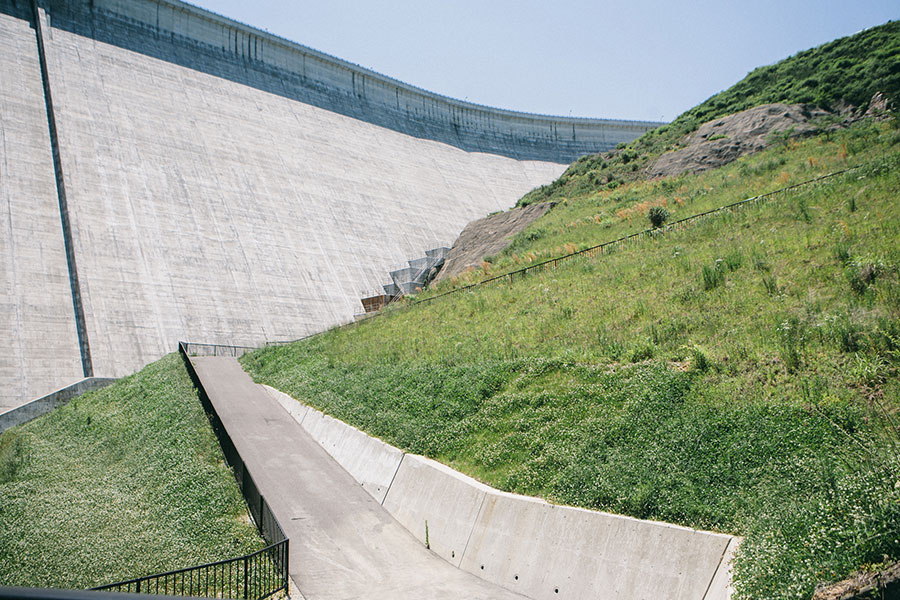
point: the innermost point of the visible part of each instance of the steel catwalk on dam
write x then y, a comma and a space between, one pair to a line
168, 174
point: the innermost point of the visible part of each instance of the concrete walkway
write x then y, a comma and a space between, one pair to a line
343, 543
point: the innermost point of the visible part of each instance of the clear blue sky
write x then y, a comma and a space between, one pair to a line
627, 59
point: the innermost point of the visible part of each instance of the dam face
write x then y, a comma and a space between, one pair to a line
167, 173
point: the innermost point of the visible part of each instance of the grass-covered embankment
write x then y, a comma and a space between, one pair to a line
120, 483
738, 375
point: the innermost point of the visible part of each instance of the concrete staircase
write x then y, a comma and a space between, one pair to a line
410, 279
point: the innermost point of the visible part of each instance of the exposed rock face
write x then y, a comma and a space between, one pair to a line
879, 107
488, 236
882, 584
723, 140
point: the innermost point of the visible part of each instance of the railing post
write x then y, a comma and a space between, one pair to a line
246, 591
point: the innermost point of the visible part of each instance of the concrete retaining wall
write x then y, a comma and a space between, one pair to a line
541, 550
369, 460
43, 405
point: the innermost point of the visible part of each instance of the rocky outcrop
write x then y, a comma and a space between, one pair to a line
488, 236
880, 584
723, 140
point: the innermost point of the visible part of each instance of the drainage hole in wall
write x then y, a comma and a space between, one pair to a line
516, 578
482, 567
452, 554
555, 590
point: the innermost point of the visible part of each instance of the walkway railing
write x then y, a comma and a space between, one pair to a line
251, 577
195, 349
262, 515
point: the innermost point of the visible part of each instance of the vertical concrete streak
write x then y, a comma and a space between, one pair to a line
397, 470
471, 531
83, 344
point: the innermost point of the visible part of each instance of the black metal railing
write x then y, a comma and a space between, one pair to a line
259, 509
251, 577
30, 593
196, 349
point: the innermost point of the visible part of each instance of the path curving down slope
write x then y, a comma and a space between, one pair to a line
343, 543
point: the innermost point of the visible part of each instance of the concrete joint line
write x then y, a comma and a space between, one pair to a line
80, 325
472, 531
718, 568
391, 484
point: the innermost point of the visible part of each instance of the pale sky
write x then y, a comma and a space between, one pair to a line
623, 59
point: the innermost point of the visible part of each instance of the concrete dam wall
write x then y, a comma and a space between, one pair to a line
167, 173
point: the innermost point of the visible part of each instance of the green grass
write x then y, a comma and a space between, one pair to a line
762, 403
597, 216
846, 70
120, 483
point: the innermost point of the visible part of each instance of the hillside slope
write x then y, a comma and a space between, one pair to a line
120, 483
737, 375
842, 74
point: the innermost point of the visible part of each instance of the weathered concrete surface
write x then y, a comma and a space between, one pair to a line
41, 406
37, 323
543, 550
343, 543
201, 40
547, 551
425, 491
204, 209
371, 462
296, 409
720, 587
226, 185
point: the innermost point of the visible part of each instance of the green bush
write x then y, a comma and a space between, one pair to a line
658, 215
699, 361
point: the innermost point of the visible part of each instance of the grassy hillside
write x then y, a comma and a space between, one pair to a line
848, 70
737, 375
122, 482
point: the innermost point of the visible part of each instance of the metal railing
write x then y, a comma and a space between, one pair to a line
593, 251
251, 577
30, 593
607, 246
260, 511
196, 349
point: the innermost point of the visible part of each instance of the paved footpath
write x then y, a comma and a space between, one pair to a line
343, 543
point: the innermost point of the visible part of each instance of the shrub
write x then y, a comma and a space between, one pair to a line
658, 215
642, 353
